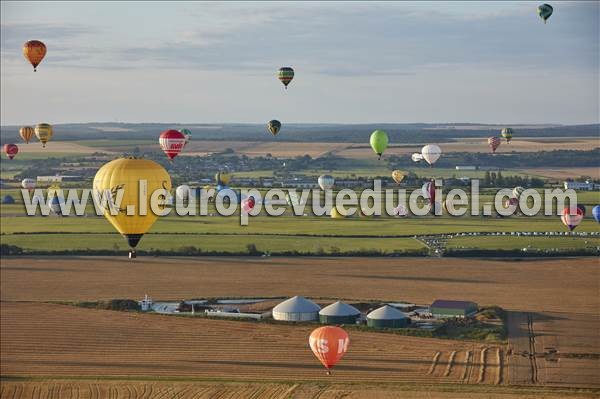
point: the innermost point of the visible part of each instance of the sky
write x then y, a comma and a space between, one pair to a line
355, 62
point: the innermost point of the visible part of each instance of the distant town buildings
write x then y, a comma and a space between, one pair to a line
581, 186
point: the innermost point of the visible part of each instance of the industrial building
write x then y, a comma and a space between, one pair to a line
339, 313
442, 308
296, 309
387, 317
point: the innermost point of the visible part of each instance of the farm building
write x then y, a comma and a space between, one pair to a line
296, 309
446, 309
339, 313
387, 317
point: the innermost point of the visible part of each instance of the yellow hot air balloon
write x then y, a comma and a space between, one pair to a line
125, 174
26, 133
335, 214
222, 178
398, 176
43, 132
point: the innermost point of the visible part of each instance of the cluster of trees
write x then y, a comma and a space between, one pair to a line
493, 179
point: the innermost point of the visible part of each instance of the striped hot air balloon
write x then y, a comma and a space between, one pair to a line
285, 75
172, 142
26, 133
571, 221
494, 143
43, 132
507, 134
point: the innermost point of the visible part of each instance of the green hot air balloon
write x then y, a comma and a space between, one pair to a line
274, 126
544, 11
379, 142
507, 134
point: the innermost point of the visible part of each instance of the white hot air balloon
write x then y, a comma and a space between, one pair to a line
28, 184
416, 157
183, 192
326, 182
431, 153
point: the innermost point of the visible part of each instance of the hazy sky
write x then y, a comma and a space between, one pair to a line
355, 62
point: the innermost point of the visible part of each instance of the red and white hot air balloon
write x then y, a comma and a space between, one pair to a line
329, 344
494, 143
571, 219
11, 150
248, 204
172, 142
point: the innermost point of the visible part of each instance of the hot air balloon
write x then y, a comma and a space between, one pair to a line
581, 207
248, 204
431, 153
398, 176
285, 75
379, 142
187, 134
571, 221
222, 178
43, 132
28, 184
171, 142
544, 11
596, 213
34, 51
335, 214
183, 192
416, 157
125, 174
329, 344
401, 211
11, 150
509, 202
494, 143
274, 126
517, 191
292, 198
326, 182
507, 134
26, 133
429, 191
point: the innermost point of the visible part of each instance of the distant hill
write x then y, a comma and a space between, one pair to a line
406, 133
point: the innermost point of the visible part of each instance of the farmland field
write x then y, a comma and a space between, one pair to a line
51, 340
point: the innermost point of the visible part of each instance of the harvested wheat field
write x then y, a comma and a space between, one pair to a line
62, 340
93, 389
529, 285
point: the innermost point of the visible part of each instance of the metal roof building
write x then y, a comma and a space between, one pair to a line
387, 317
296, 309
339, 313
443, 308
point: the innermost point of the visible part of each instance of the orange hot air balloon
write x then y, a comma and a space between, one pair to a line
26, 133
34, 51
329, 344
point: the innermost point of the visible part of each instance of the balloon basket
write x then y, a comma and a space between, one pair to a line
132, 254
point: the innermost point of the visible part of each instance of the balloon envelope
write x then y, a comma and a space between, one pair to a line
11, 150
329, 344
398, 176
431, 153
596, 213
125, 174
416, 157
183, 192
172, 142
545, 11
274, 126
28, 184
517, 191
326, 182
285, 75
571, 221
400, 210
26, 133
188, 135
494, 143
43, 132
34, 51
507, 134
379, 142
222, 178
